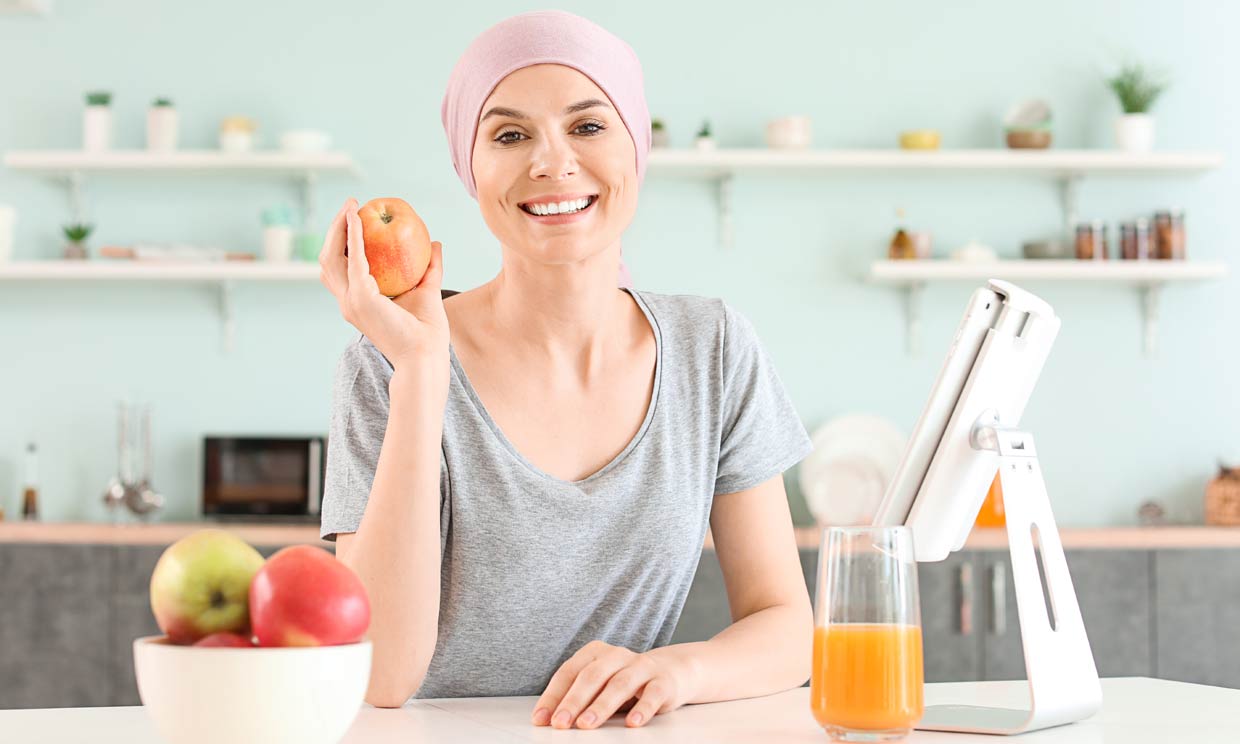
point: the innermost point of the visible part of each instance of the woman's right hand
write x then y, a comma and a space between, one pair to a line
408, 329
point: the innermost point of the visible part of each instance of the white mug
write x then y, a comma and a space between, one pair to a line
789, 132
8, 227
277, 243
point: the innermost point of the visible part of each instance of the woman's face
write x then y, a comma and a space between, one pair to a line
547, 134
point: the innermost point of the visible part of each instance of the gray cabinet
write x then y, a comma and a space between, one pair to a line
1113, 591
1198, 616
951, 637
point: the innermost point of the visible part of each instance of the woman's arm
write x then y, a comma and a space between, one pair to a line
395, 550
768, 647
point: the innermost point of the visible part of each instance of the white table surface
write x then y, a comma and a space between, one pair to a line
1136, 710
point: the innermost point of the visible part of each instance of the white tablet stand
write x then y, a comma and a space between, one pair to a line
966, 431
1063, 681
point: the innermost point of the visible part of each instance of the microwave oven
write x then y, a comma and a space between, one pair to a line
263, 476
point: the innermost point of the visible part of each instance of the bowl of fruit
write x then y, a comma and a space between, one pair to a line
253, 650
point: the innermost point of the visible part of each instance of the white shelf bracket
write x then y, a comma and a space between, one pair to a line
725, 211
912, 317
309, 181
75, 195
228, 322
1069, 202
1150, 295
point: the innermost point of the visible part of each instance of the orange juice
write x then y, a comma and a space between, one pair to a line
867, 676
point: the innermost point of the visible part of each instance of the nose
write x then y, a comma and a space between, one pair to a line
553, 159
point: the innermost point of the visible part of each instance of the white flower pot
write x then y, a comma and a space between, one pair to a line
97, 128
704, 143
161, 128
1135, 132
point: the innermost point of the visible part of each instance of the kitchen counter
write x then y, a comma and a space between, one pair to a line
1136, 710
1114, 538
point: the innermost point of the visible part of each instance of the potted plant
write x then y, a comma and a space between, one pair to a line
77, 233
1136, 88
704, 140
161, 126
97, 121
658, 133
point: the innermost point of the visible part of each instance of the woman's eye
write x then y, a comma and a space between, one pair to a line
597, 127
501, 138
589, 128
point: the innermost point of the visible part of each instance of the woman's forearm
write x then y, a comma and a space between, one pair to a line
395, 551
766, 652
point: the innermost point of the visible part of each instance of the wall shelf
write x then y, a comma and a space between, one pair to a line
223, 274
1067, 167
73, 166
1147, 277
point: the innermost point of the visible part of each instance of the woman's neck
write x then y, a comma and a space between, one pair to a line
562, 315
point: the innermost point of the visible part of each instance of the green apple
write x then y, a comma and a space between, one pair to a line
201, 585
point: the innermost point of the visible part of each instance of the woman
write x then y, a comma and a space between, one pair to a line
522, 474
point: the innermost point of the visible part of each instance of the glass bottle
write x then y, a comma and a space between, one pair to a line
1135, 240
902, 246
1169, 236
30, 492
1091, 240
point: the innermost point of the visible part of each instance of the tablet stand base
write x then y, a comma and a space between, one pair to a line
1063, 681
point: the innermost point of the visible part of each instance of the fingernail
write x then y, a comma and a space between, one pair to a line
635, 719
541, 716
587, 718
561, 719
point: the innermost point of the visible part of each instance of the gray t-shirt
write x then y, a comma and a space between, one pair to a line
534, 567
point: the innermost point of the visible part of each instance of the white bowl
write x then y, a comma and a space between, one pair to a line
305, 140
303, 695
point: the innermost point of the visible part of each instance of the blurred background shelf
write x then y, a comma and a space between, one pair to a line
1067, 167
66, 162
1148, 277
122, 270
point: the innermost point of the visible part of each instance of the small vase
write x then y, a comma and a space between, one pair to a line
74, 251
1135, 132
97, 128
704, 143
659, 138
161, 128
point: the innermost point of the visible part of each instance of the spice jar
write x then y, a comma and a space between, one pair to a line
1169, 237
1091, 240
1135, 240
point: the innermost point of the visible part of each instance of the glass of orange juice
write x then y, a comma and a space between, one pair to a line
867, 679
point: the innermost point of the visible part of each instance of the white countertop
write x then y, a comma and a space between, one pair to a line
1135, 710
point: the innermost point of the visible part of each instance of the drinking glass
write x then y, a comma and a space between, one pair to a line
867, 680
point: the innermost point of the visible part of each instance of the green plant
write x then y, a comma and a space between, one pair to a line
1137, 88
657, 124
98, 98
705, 130
77, 231
162, 102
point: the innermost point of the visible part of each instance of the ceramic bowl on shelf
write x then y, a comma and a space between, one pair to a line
1046, 249
304, 140
920, 139
293, 695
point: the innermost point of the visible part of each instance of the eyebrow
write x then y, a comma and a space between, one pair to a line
514, 114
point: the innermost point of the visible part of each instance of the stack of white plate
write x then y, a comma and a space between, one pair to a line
854, 458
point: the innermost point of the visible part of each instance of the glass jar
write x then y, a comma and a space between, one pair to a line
1135, 240
1091, 240
1169, 237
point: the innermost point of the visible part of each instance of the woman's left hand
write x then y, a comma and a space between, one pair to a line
601, 679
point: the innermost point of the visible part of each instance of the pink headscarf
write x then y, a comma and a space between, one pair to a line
542, 37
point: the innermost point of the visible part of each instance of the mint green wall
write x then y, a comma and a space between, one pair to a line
1114, 428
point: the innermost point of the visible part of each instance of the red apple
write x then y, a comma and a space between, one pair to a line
225, 640
201, 585
398, 247
303, 596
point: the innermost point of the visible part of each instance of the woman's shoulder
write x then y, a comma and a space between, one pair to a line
699, 317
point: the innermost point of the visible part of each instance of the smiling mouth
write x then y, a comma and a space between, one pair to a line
549, 210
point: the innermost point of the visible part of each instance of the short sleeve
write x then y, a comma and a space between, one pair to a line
761, 435
359, 413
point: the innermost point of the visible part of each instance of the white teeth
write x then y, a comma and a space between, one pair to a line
563, 207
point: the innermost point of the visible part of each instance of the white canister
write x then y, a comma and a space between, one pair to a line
161, 128
788, 133
234, 140
1135, 132
97, 128
277, 243
8, 227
